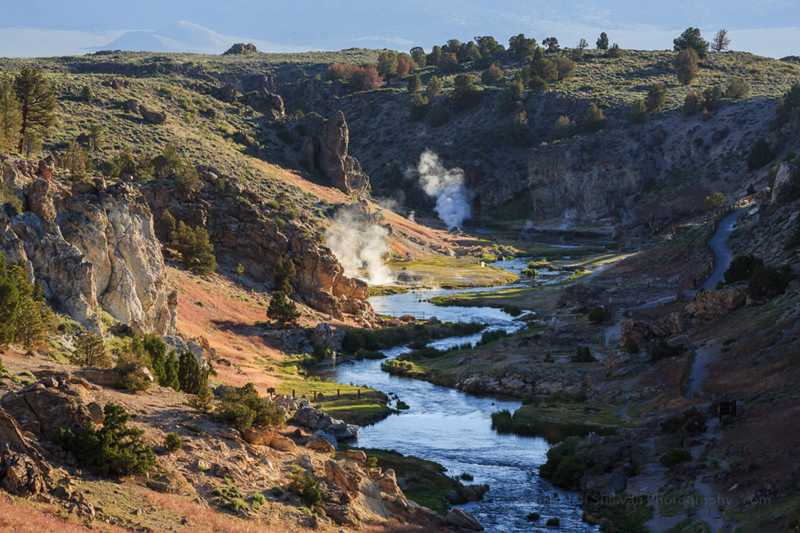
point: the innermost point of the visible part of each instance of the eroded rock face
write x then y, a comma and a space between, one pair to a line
20, 475
91, 251
50, 405
327, 151
244, 231
787, 183
711, 305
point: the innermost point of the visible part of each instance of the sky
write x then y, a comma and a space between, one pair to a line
67, 27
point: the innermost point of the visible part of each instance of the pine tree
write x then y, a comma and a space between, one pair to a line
191, 375
721, 41
10, 116
90, 350
282, 309
37, 106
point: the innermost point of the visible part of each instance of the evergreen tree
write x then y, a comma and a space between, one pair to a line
10, 116
282, 309
194, 245
90, 350
37, 106
602, 41
193, 377
691, 38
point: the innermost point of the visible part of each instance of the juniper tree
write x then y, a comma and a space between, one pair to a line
37, 105
602, 41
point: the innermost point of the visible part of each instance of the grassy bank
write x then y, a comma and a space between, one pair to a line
450, 272
352, 403
361, 339
556, 421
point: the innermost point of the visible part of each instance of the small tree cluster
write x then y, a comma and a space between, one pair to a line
356, 77
522, 47
466, 93
115, 449
195, 248
243, 409
763, 282
25, 317
393, 65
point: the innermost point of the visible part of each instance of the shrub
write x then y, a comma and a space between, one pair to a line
583, 355
192, 374
76, 161
656, 98
305, 486
195, 248
564, 468
466, 92
674, 457
693, 103
615, 52
687, 65
760, 155
419, 106
712, 98
414, 84
90, 350
492, 336
202, 401
769, 282
563, 127
434, 88
595, 119
243, 408
638, 112
173, 442
737, 88
714, 201
113, 450
356, 78
282, 309
742, 268
492, 75
598, 315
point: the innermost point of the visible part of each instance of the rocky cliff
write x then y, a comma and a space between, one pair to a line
91, 247
246, 231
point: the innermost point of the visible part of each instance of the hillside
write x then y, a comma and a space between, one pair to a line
194, 235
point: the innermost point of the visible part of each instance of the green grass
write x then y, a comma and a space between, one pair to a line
454, 272
352, 403
558, 421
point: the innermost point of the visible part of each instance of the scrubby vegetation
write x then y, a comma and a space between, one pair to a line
305, 486
357, 339
115, 449
243, 408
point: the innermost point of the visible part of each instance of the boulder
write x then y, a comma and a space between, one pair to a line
345, 477
48, 406
241, 49
357, 456
321, 445
711, 305
258, 437
462, 520
314, 419
151, 116
787, 184
283, 444
21, 475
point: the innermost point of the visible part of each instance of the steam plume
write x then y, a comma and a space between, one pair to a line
447, 186
360, 245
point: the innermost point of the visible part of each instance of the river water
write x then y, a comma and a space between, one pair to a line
454, 428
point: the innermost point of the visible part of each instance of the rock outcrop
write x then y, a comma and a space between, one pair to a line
711, 305
90, 251
244, 231
787, 184
239, 49
326, 150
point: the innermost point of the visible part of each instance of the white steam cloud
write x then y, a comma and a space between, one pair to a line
447, 186
360, 246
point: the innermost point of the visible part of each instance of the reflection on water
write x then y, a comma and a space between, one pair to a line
454, 428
